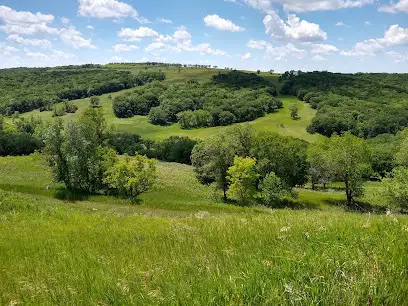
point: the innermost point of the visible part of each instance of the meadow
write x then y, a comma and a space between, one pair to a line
180, 245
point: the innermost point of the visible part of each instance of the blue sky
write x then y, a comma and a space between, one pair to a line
334, 35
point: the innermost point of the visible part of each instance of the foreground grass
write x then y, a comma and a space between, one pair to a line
178, 245
61, 256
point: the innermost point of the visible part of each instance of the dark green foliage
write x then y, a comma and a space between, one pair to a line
238, 79
26, 89
140, 102
158, 116
285, 156
176, 149
367, 105
64, 108
16, 144
95, 101
383, 149
130, 144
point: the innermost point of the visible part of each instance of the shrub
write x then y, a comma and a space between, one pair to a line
95, 101
158, 116
17, 144
131, 177
396, 188
176, 149
273, 189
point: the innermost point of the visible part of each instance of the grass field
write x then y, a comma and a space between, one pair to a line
179, 245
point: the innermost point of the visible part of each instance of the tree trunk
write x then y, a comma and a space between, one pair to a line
349, 194
313, 185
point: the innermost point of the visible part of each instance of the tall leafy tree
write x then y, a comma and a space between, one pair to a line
349, 157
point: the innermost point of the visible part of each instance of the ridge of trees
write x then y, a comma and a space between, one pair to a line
25, 89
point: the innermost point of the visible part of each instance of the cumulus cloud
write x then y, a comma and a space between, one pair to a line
324, 49
221, 24
25, 23
109, 9
278, 52
7, 50
397, 56
293, 29
394, 36
124, 48
41, 43
319, 58
246, 56
395, 7
72, 37
137, 34
90, 27
300, 6
180, 41
65, 20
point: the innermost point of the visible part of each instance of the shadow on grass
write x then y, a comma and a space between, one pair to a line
358, 207
70, 196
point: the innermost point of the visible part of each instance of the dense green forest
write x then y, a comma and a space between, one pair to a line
365, 104
24, 89
229, 98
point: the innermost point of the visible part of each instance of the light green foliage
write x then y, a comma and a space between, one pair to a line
294, 112
76, 152
131, 176
320, 170
273, 189
396, 188
401, 156
243, 177
349, 158
95, 101
213, 157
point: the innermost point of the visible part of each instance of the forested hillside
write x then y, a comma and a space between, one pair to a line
24, 89
365, 104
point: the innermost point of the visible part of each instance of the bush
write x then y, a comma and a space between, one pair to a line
95, 101
131, 177
158, 116
17, 144
273, 189
396, 188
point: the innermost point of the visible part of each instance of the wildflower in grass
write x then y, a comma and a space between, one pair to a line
285, 229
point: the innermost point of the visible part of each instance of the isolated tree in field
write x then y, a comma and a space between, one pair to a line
258, 71
294, 112
95, 101
395, 188
212, 159
76, 152
349, 158
272, 189
131, 176
243, 177
320, 170
271, 71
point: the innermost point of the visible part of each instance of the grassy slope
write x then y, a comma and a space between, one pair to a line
278, 122
166, 250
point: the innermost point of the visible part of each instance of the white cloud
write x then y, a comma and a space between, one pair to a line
395, 7
62, 55
293, 30
394, 36
319, 58
398, 57
257, 44
233, 1
65, 20
109, 9
340, 24
37, 55
137, 34
222, 24
7, 50
90, 27
42, 43
246, 56
72, 37
164, 20
124, 48
324, 49
367, 23
180, 41
25, 23
300, 6
279, 52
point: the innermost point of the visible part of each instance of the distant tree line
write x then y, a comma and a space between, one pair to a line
367, 105
23, 90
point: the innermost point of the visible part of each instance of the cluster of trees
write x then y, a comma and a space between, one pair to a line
25, 89
66, 107
229, 98
250, 167
80, 158
367, 105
